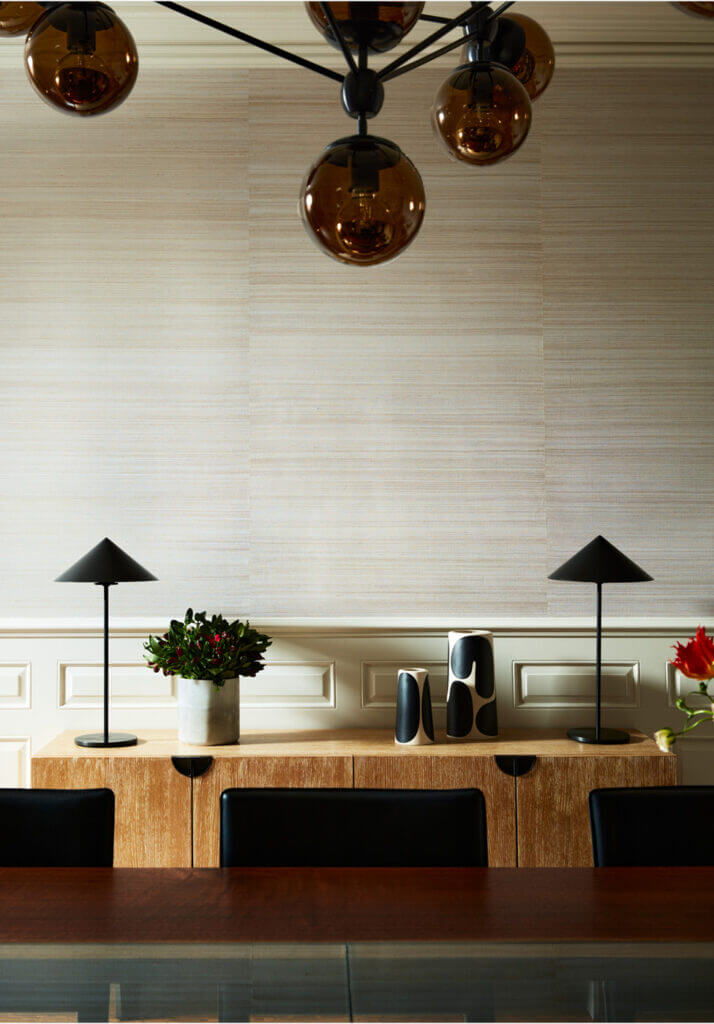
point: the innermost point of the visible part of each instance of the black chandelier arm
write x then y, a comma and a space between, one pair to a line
277, 51
434, 17
472, 37
433, 38
502, 9
339, 36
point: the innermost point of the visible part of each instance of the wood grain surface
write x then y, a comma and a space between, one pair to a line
152, 826
552, 811
649, 905
162, 816
331, 743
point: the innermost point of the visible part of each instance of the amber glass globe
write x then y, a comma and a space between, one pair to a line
481, 113
702, 9
81, 58
537, 63
18, 19
378, 26
362, 201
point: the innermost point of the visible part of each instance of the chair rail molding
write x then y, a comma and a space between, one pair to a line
338, 673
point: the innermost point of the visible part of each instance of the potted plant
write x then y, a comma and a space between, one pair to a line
208, 657
695, 660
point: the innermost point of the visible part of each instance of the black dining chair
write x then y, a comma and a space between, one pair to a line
648, 826
345, 828
653, 826
56, 828
353, 828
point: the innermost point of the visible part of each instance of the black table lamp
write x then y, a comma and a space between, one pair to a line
105, 565
599, 562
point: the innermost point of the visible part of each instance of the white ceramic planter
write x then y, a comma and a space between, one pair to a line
208, 716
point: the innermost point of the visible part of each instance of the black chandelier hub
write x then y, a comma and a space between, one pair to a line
362, 93
81, 22
499, 39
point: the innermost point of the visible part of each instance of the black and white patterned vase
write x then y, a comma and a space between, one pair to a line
471, 694
415, 725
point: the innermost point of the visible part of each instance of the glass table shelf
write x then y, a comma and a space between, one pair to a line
376, 981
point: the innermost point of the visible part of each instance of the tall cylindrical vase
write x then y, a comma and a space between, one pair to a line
471, 694
208, 715
414, 726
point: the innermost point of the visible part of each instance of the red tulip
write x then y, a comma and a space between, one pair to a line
695, 659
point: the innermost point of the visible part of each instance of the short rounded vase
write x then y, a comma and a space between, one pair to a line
208, 715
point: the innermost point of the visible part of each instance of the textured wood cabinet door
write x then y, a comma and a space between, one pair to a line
452, 772
152, 827
552, 806
263, 772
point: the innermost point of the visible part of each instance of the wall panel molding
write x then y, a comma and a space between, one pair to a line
15, 685
378, 678
132, 685
571, 684
291, 684
15, 761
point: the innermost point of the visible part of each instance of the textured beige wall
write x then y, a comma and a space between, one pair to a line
271, 432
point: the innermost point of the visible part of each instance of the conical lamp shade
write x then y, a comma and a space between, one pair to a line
600, 562
105, 563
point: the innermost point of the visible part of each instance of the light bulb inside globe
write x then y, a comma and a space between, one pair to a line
363, 226
81, 58
82, 79
362, 201
481, 113
536, 64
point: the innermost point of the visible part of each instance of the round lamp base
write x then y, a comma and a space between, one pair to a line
96, 739
587, 735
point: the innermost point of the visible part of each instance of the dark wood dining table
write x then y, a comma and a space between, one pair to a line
357, 904
355, 943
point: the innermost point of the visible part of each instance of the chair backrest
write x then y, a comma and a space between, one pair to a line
60, 828
657, 826
353, 828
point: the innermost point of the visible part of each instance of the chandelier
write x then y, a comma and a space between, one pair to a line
362, 200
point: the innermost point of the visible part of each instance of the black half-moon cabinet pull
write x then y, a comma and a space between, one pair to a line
192, 767
515, 765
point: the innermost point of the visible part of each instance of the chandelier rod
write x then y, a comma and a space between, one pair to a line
440, 20
277, 51
433, 38
472, 37
502, 9
339, 36
434, 17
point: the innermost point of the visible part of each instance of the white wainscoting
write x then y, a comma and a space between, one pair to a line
338, 673
569, 684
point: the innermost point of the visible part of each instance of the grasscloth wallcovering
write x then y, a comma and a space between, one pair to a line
270, 432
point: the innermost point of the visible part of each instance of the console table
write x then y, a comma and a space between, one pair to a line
535, 783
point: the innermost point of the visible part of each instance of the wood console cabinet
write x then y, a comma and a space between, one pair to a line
535, 782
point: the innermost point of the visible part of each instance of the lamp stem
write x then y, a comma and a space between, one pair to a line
598, 662
106, 662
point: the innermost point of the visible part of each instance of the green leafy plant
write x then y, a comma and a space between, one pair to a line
203, 648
